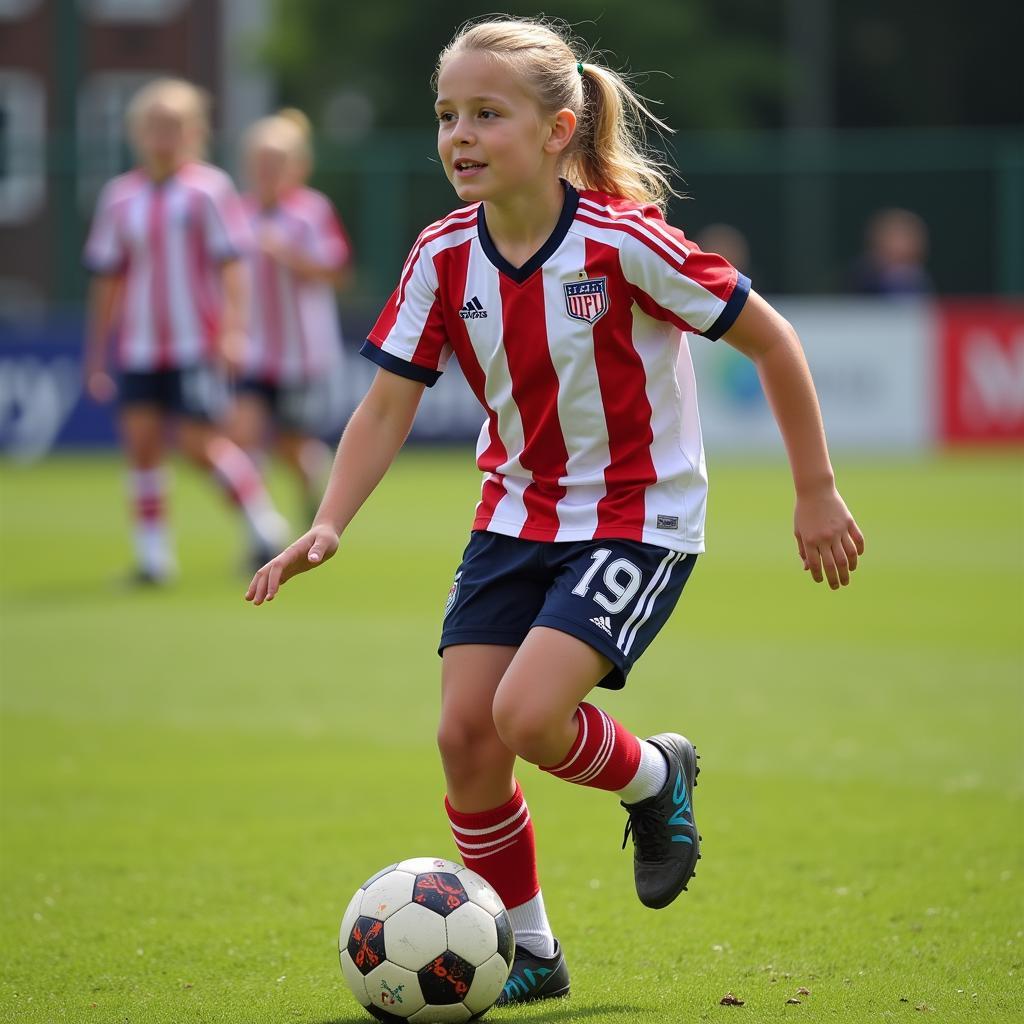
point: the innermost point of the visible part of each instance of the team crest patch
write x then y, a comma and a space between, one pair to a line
453, 594
587, 300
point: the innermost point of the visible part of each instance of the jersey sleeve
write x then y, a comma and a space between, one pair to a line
227, 234
674, 281
409, 337
106, 249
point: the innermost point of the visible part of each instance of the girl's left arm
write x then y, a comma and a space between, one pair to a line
827, 536
235, 312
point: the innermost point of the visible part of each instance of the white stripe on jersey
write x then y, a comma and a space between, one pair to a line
137, 331
580, 409
485, 337
181, 306
667, 243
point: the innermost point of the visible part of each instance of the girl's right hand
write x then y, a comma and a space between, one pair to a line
313, 548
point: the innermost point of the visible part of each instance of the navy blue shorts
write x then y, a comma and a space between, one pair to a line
614, 595
196, 392
304, 408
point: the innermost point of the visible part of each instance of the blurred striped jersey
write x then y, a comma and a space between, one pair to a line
168, 239
293, 330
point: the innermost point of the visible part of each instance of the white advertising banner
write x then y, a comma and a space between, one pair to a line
874, 367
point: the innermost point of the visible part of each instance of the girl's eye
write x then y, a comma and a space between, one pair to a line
487, 114
446, 117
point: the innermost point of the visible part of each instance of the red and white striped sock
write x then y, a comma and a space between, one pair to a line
499, 846
148, 497
241, 480
604, 755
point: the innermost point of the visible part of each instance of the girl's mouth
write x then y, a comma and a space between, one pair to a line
467, 168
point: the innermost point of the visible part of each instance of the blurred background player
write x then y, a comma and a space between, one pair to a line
293, 350
895, 252
165, 249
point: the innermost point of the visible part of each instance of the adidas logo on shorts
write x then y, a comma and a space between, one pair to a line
473, 310
603, 622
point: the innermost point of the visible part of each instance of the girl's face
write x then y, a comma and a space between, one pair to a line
268, 172
492, 137
164, 137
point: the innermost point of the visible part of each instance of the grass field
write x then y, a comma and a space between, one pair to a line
192, 788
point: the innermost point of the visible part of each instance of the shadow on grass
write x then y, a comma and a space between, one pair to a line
563, 1012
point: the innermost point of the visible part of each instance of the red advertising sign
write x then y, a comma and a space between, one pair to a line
982, 372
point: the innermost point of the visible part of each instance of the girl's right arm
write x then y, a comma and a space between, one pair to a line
104, 292
377, 430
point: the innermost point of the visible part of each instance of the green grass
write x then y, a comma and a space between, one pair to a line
192, 788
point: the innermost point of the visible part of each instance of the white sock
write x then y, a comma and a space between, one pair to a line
531, 928
238, 476
148, 488
153, 549
651, 775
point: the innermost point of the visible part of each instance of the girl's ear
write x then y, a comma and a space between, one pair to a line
562, 129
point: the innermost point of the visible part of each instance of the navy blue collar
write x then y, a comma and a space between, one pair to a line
520, 274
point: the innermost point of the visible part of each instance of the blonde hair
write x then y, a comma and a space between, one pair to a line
188, 102
288, 131
609, 151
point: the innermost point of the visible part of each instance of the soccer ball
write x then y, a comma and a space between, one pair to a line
428, 941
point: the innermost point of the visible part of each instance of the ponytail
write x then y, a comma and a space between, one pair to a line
610, 153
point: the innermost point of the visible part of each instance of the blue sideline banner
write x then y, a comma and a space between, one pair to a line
42, 404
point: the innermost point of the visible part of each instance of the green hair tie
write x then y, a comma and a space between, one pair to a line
579, 68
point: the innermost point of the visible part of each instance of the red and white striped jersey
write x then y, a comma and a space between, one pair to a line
168, 239
293, 329
580, 362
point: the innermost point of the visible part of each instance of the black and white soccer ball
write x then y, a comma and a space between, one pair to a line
428, 941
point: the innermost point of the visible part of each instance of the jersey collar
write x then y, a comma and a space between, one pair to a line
540, 257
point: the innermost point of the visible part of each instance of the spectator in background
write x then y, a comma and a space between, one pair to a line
727, 241
293, 350
895, 251
165, 250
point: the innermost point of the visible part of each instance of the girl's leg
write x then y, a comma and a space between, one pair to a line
310, 461
241, 481
540, 714
142, 434
249, 423
488, 815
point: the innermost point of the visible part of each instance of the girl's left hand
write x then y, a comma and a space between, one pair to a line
827, 536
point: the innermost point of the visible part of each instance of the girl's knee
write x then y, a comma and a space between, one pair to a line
523, 728
463, 740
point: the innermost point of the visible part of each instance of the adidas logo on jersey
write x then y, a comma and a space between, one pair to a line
473, 310
603, 622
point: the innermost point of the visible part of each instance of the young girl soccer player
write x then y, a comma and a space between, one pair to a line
294, 344
164, 248
566, 298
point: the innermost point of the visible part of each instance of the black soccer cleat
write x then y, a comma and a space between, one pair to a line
535, 977
666, 844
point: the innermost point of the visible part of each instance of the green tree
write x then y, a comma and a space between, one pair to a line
711, 65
